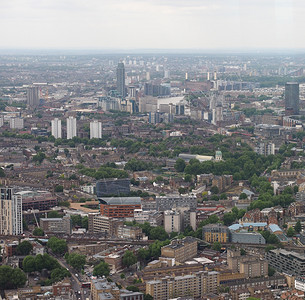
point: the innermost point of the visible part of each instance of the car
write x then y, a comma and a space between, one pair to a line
79, 292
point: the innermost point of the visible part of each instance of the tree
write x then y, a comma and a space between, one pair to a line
216, 246
59, 273
77, 261
58, 246
188, 178
54, 214
102, 269
229, 218
11, 278
243, 251
129, 259
29, 264
122, 276
148, 297
132, 288
143, 254
180, 165
59, 189
38, 232
290, 232
214, 189
243, 196
85, 222
271, 271
298, 227
24, 248
158, 233
223, 196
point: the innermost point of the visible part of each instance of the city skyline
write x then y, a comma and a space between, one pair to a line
151, 24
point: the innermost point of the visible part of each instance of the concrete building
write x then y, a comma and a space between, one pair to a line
172, 221
129, 232
181, 250
56, 225
119, 207
154, 218
170, 202
114, 186
56, 128
289, 262
71, 127
299, 283
292, 98
265, 149
195, 285
215, 233
95, 129
245, 237
32, 97
16, 123
120, 79
98, 224
10, 213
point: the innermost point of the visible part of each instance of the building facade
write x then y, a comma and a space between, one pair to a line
95, 129
56, 225
16, 123
120, 77
32, 96
215, 233
174, 201
292, 98
114, 186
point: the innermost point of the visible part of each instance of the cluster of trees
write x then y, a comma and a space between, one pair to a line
129, 259
37, 263
24, 248
270, 238
102, 172
75, 260
153, 233
58, 246
78, 220
266, 196
38, 232
101, 269
138, 165
243, 165
153, 251
11, 278
39, 157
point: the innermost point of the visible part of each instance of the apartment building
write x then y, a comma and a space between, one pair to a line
98, 224
56, 225
215, 233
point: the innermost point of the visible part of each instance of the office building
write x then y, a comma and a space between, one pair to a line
56, 128
196, 285
181, 250
95, 129
114, 186
32, 98
119, 207
10, 213
16, 123
292, 98
56, 225
215, 233
120, 79
288, 262
174, 201
71, 127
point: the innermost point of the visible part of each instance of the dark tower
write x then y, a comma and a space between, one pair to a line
120, 79
292, 98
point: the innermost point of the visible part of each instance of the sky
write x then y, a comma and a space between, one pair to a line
152, 24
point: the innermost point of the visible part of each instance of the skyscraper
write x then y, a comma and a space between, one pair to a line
10, 212
56, 128
292, 98
120, 79
32, 96
71, 127
95, 129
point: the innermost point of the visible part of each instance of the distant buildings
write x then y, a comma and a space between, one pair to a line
215, 233
56, 128
10, 213
98, 224
95, 129
174, 201
292, 98
120, 77
265, 149
32, 98
71, 127
172, 221
114, 186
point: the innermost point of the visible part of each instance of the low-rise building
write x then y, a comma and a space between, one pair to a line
98, 224
215, 233
56, 225
181, 250
130, 232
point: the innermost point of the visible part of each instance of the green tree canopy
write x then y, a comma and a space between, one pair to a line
298, 226
38, 232
24, 248
102, 269
129, 258
290, 232
180, 165
77, 261
58, 246
11, 278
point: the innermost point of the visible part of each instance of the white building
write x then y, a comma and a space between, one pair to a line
10, 212
299, 284
95, 129
56, 128
172, 221
16, 123
1, 121
71, 127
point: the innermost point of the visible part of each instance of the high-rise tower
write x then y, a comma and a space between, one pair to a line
56, 128
120, 79
71, 127
32, 98
95, 129
292, 98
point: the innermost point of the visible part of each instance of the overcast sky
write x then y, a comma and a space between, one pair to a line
152, 24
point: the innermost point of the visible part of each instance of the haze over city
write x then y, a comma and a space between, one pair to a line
152, 24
